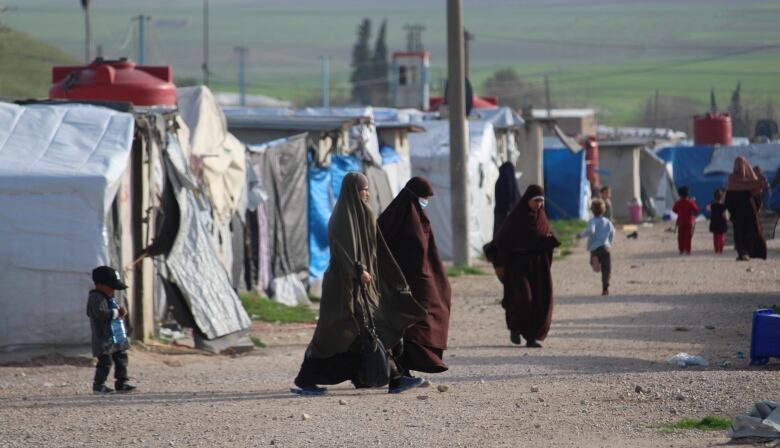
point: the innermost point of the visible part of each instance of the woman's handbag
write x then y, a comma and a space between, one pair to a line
374, 368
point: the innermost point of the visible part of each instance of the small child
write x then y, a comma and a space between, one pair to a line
108, 345
686, 210
606, 196
600, 233
719, 224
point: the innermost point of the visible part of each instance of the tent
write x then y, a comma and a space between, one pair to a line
566, 188
688, 164
430, 159
60, 169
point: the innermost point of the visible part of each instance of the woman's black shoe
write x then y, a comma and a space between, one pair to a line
515, 338
531, 343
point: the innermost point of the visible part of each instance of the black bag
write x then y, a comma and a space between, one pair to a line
374, 368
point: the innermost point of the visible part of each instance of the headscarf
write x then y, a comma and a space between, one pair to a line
743, 178
507, 193
524, 229
351, 225
405, 210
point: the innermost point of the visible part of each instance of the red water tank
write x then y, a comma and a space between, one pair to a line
117, 80
712, 129
592, 161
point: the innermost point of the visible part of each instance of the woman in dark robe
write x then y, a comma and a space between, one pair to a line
407, 231
507, 195
522, 255
743, 202
334, 354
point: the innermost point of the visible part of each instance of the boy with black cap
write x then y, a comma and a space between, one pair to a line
108, 345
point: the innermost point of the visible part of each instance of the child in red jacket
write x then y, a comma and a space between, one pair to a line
686, 210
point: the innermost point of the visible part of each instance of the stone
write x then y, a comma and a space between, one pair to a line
343, 402
305, 417
679, 397
422, 397
534, 388
443, 388
48, 384
537, 425
639, 389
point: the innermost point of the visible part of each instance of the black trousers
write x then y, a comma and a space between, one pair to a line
605, 259
119, 359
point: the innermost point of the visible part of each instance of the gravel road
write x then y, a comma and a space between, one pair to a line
579, 390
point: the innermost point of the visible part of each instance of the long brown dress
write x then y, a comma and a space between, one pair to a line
333, 356
524, 248
407, 231
743, 203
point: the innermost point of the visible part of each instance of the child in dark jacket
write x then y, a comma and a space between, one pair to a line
719, 224
108, 345
686, 210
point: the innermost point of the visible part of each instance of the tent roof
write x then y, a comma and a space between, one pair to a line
292, 123
411, 127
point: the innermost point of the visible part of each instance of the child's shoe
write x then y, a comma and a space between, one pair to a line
102, 389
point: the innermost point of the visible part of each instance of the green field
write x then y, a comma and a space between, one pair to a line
25, 65
607, 54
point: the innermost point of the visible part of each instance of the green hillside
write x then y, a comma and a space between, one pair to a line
25, 65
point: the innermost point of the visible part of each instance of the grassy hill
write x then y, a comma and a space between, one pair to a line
25, 64
610, 54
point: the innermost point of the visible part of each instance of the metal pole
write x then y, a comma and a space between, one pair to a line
547, 96
655, 114
205, 42
456, 100
325, 81
87, 33
141, 18
241, 76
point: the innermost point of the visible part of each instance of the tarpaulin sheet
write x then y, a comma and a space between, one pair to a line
60, 169
565, 184
430, 155
688, 164
282, 170
339, 167
193, 264
321, 202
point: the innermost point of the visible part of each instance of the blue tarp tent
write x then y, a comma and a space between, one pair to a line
688, 163
324, 187
565, 184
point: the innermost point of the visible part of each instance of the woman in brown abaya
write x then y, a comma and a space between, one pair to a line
743, 202
407, 231
522, 254
358, 253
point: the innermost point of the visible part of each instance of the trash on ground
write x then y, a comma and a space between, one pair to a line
685, 360
762, 421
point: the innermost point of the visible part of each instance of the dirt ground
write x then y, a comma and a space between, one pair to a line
579, 390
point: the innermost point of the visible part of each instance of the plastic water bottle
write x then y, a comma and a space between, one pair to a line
118, 332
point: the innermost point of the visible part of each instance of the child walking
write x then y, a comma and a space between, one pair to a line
108, 345
719, 224
600, 233
686, 210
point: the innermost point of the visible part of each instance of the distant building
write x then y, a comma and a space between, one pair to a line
410, 76
574, 122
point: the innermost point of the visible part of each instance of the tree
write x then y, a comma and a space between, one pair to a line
361, 64
713, 104
738, 123
512, 91
380, 68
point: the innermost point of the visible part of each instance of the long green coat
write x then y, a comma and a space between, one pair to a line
353, 236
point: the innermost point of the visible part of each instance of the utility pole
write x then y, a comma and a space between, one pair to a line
205, 65
655, 114
547, 96
456, 100
325, 81
87, 32
142, 19
467, 38
241, 75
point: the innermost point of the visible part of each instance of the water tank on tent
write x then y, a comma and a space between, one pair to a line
592, 161
115, 80
712, 129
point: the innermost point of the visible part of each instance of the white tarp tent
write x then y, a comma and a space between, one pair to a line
430, 153
766, 156
60, 169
